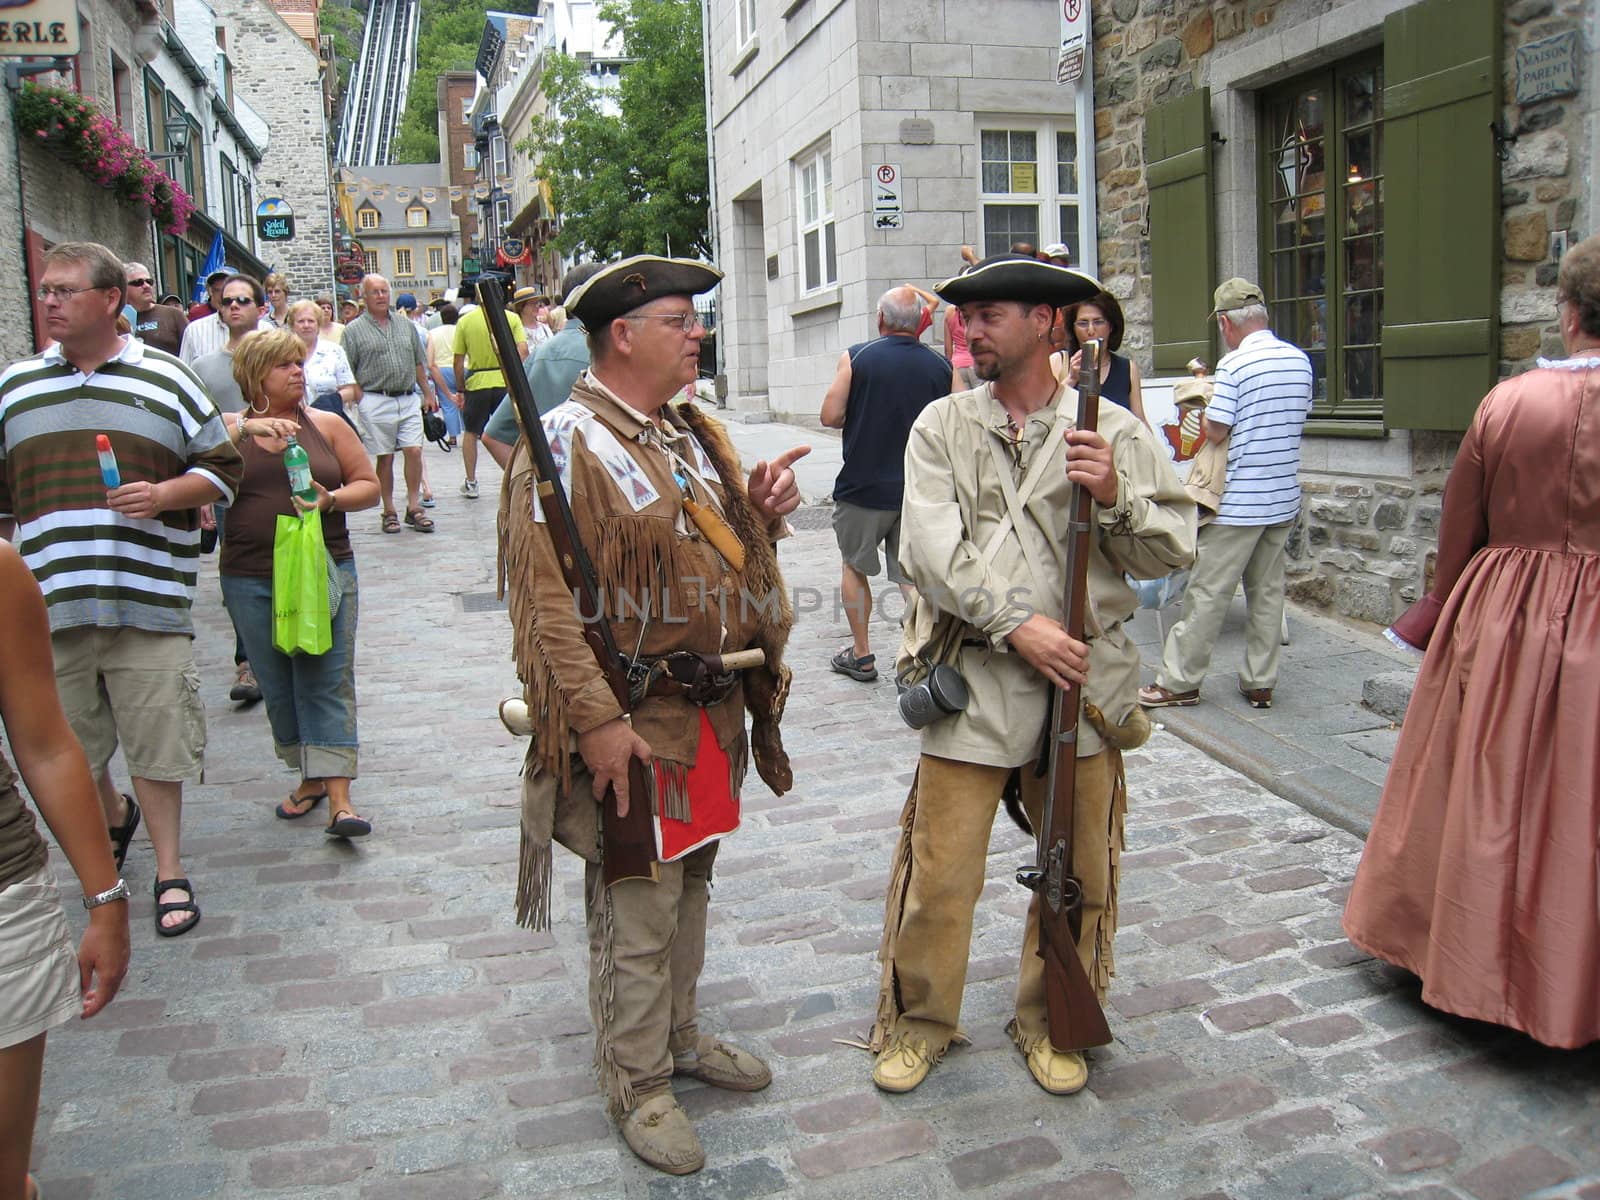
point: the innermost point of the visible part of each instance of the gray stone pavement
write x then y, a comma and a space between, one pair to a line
366, 1021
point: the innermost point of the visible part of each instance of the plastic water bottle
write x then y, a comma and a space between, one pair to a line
298, 463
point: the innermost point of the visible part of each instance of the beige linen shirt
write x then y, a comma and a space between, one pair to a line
954, 502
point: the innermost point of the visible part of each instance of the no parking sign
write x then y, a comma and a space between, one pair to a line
887, 209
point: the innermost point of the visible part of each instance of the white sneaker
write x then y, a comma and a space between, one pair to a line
469, 489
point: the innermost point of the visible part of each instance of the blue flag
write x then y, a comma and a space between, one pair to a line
215, 261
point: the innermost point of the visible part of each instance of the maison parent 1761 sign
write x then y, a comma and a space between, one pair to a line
38, 27
1548, 67
274, 218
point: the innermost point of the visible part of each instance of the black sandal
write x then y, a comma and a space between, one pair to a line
188, 906
122, 835
347, 826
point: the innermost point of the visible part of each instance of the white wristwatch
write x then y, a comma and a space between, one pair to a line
120, 892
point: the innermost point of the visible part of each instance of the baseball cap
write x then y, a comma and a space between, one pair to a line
1235, 293
405, 300
1057, 250
220, 273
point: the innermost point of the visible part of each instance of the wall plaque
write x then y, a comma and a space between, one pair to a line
1548, 67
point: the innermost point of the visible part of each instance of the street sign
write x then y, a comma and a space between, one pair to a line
274, 219
887, 210
39, 27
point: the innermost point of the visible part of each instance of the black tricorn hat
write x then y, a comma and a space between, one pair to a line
623, 286
1018, 277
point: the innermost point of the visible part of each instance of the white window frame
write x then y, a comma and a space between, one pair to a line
366, 219
371, 257
436, 261
814, 218
415, 211
469, 156
1047, 196
403, 255
745, 21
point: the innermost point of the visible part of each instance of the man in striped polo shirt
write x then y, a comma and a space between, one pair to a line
117, 565
1262, 394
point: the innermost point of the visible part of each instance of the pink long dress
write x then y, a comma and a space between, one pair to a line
1482, 871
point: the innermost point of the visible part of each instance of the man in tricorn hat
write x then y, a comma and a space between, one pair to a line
984, 539
684, 547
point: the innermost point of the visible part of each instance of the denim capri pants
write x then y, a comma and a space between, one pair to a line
311, 698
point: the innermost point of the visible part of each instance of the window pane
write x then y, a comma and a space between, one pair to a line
1312, 278
1361, 207
827, 185
1360, 91
1363, 263
1007, 223
1361, 374
808, 193
830, 256
996, 177
813, 261
1067, 166
1024, 146
993, 145
1308, 112
1067, 216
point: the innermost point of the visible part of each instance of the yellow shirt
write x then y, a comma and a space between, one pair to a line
473, 341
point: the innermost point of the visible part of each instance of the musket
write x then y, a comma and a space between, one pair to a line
1075, 1019
627, 843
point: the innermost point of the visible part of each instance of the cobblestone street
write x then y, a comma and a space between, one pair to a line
365, 1020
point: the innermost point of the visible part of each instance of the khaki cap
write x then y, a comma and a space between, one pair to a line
1235, 293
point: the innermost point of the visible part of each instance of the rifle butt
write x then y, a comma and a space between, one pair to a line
1072, 1010
628, 844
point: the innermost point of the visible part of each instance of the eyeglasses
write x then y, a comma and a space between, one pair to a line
1091, 323
47, 293
236, 301
684, 321
141, 283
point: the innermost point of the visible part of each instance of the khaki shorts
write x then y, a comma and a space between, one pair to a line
860, 531
389, 423
38, 966
136, 688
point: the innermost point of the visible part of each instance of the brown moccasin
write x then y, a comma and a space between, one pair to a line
659, 1132
722, 1065
1258, 697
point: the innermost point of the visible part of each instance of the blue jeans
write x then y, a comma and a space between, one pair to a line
447, 406
311, 698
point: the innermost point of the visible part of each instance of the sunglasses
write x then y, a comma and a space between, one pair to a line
236, 301
140, 282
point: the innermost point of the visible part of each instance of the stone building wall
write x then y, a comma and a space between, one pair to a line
455, 135
16, 333
278, 75
1368, 533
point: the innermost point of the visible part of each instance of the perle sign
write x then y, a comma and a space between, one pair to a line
33, 27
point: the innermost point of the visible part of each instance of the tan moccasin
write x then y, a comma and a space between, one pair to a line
659, 1132
1058, 1072
902, 1065
722, 1065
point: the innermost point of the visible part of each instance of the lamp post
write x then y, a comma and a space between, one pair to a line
178, 131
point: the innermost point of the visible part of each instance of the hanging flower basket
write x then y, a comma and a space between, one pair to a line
75, 131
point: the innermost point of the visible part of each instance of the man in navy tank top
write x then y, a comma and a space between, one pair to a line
878, 391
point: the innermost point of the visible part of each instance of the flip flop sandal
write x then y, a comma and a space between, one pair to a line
286, 813
184, 906
391, 523
348, 826
419, 520
122, 835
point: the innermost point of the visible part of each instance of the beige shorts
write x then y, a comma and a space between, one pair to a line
38, 967
389, 423
138, 689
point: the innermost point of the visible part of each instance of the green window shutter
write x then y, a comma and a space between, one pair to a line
1177, 155
1441, 329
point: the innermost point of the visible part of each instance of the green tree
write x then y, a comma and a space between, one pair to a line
635, 180
448, 34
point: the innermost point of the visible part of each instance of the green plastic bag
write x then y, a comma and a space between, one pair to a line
301, 619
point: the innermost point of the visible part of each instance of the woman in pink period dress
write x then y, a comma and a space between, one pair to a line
1482, 871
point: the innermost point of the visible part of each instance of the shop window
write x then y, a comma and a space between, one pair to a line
1029, 185
1322, 219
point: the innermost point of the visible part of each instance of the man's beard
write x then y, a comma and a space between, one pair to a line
989, 373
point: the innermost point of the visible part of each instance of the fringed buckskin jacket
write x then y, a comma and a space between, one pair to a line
626, 478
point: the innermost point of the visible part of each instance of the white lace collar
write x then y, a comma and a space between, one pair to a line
1581, 362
